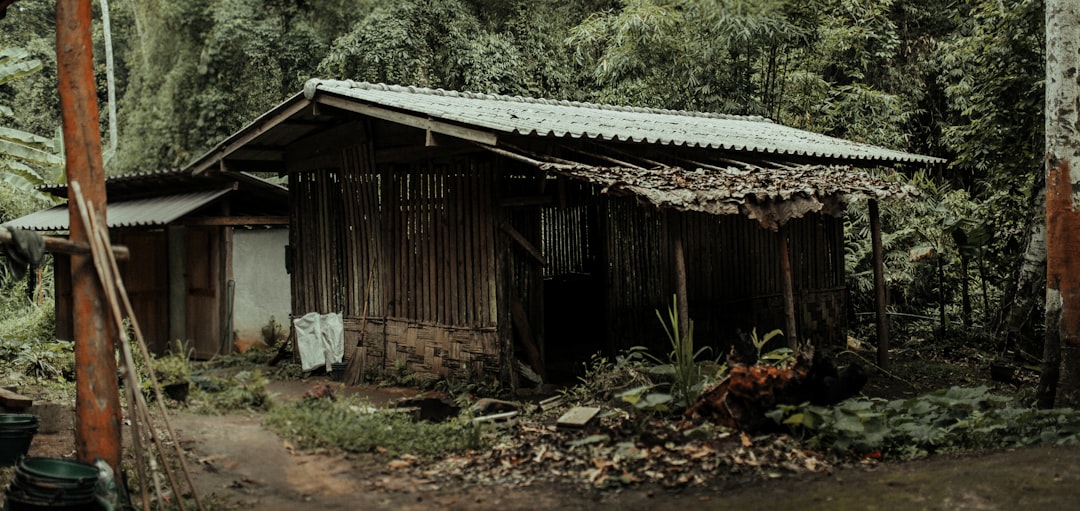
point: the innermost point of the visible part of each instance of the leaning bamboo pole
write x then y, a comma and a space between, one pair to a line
109, 274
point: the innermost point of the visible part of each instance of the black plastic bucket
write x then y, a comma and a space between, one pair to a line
53, 483
337, 371
17, 431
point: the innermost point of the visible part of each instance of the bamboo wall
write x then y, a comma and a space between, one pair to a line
423, 236
734, 281
413, 256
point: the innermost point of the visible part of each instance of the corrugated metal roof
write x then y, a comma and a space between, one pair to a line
172, 179
152, 211
566, 119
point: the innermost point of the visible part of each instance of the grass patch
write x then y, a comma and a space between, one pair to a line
353, 425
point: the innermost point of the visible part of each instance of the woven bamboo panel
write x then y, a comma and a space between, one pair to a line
823, 318
432, 350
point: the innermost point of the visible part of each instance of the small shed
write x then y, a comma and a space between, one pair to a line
207, 261
462, 233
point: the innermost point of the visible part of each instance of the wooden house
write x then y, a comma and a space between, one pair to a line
462, 233
207, 262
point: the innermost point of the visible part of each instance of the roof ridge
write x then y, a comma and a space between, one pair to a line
312, 84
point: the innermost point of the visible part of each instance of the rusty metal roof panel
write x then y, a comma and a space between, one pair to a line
151, 211
568, 119
772, 196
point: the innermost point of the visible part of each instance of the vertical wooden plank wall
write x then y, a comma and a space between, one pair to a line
734, 279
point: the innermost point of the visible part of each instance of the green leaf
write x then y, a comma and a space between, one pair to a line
28, 153
13, 67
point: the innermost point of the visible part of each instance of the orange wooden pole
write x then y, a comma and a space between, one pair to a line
97, 397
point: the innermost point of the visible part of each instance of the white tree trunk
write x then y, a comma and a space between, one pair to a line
1062, 355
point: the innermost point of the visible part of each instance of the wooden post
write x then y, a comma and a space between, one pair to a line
177, 261
680, 277
97, 398
879, 287
789, 289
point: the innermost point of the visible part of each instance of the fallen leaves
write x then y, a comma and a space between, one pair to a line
612, 454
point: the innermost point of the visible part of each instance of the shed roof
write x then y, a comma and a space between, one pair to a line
160, 197
150, 211
569, 119
691, 161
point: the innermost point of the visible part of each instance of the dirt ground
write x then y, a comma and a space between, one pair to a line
236, 463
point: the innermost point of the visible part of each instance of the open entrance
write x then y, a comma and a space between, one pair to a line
574, 291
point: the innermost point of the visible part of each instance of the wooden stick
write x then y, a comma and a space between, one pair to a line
114, 287
65, 246
354, 368
109, 285
131, 379
102, 238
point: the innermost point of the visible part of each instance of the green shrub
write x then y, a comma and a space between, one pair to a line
949, 420
353, 425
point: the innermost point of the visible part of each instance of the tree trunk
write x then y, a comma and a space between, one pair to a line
1062, 204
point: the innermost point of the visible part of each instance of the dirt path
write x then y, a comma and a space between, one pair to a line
242, 463
238, 464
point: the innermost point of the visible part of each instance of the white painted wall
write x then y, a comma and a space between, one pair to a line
262, 285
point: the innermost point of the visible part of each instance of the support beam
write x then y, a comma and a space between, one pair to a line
97, 397
57, 245
879, 287
789, 289
251, 133
177, 255
680, 275
522, 242
424, 123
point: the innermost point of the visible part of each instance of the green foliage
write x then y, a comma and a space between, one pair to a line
45, 360
605, 378
28, 347
245, 390
922, 253
509, 48
246, 358
171, 368
353, 425
201, 70
26, 160
403, 376
711, 55
943, 421
991, 71
23, 321
15, 202
681, 366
